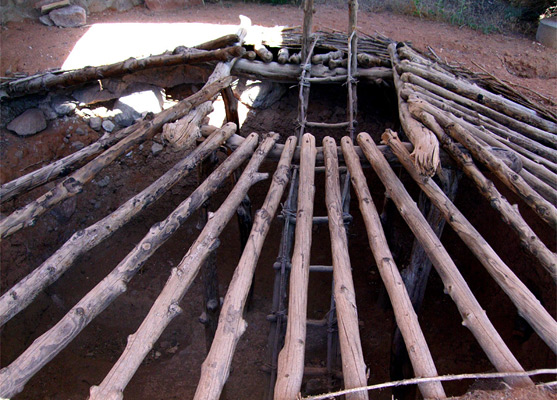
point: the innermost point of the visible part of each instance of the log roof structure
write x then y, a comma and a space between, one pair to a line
453, 123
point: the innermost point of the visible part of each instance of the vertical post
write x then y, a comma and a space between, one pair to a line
352, 64
307, 27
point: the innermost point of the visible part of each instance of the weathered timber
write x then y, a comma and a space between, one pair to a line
307, 28
405, 315
528, 238
231, 107
23, 293
47, 346
291, 358
166, 307
474, 317
283, 55
295, 58
183, 133
219, 43
426, 146
353, 365
73, 184
545, 210
263, 53
326, 57
478, 94
290, 73
526, 129
216, 367
368, 60
529, 307
352, 97
78, 77
543, 189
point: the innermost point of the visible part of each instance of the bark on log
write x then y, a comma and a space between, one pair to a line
47, 346
74, 183
291, 358
426, 146
545, 210
216, 367
368, 61
219, 43
405, 315
353, 365
474, 317
183, 133
307, 28
78, 77
263, 53
25, 291
166, 307
532, 132
325, 58
528, 238
283, 55
290, 73
480, 95
527, 304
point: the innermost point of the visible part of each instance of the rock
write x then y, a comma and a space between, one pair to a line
78, 145
132, 106
69, 17
108, 125
62, 105
45, 20
81, 132
48, 111
156, 148
28, 123
65, 210
95, 123
104, 181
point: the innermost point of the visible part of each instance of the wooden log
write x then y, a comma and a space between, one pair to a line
543, 189
290, 73
528, 238
47, 346
54, 5
353, 365
368, 60
263, 52
216, 367
166, 307
529, 307
291, 358
295, 58
474, 317
426, 146
338, 63
250, 55
231, 107
326, 57
307, 28
25, 291
73, 184
405, 315
545, 210
219, 43
477, 125
480, 95
184, 133
283, 55
528, 130
78, 77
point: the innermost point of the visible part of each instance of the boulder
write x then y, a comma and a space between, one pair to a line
108, 125
69, 17
28, 123
95, 123
45, 20
62, 105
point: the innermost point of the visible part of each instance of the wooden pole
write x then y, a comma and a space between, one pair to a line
528, 238
474, 317
43, 349
405, 315
80, 76
529, 307
307, 28
353, 365
216, 367
426, 146
291, 358
73, 184
545, 210
352, 64
25, 291
166, 307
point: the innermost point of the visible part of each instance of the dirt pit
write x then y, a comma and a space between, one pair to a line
172, 368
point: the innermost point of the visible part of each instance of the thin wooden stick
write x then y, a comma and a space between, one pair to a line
84, 75
528, 238
216, 367
444, 378
545, 210
46, 347
426, 146
473, 316
353, 365
73, 184
406, 317
291, 358
166, 307
25, 291
529, 307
